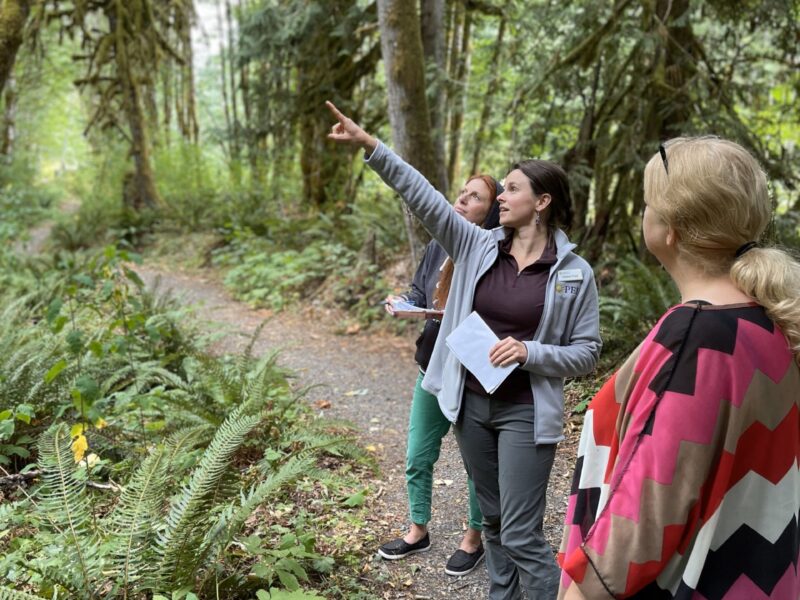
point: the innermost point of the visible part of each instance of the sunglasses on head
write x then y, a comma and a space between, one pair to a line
662, 149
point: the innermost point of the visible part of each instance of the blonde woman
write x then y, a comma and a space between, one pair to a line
687, 482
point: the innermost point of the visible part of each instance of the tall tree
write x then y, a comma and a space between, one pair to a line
492, 84
458, 95
401, 48
308, 52
432, 13
123, 45
13, 17
8, 127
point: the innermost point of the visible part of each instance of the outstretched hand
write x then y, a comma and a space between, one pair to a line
347, 131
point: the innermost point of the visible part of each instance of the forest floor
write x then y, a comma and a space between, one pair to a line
365, 378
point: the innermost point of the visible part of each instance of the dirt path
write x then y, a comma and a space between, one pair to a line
368, 379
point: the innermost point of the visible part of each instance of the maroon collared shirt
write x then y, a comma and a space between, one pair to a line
511, 302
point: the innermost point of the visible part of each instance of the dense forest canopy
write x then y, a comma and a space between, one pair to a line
594, 86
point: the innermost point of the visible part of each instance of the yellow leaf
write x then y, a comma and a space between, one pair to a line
79, 447
77, 430
92, 459
100, 423
370, 448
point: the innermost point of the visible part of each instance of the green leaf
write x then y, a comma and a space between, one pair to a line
25, 412
88, 387
84, 280
6, 428
356, 499
264, 571
75, 341
53, 310
59, 323
288, 580
260, 595
5, 414
133, 276
55, 370
292, 565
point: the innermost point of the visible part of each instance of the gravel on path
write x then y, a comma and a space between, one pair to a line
368, 379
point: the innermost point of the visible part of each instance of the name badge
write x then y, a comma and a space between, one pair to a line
570, 275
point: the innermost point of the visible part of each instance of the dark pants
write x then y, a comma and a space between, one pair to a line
510, 473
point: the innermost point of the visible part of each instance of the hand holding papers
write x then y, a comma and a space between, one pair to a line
471, 342
405, 310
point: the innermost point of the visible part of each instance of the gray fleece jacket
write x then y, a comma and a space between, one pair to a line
567, 341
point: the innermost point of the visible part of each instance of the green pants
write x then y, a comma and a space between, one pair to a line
426, 428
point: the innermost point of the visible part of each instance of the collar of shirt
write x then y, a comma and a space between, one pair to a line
546, 260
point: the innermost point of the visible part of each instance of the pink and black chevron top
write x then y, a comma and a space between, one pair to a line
687, 483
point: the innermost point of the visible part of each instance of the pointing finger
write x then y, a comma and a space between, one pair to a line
335, 111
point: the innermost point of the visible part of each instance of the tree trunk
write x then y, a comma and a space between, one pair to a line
224, 76
9, 132
139, 188
494, 82
187, 84
13, 16
401, 47
232, 75
459, 100
433, 46
166, 84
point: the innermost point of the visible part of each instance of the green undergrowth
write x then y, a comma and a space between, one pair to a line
133, 464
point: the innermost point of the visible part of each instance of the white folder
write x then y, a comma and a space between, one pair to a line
471, 342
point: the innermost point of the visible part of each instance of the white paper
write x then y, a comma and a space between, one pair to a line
405, 306
471, 342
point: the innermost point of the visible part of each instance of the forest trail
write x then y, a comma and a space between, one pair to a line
367, 379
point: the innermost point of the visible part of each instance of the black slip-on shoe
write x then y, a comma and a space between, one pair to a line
399, 548
463, 562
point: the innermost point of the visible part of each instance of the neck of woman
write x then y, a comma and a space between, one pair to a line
530, 239
695, 284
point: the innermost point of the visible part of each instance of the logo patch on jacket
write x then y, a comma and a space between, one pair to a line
567, 288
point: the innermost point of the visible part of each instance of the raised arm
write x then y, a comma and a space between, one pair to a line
454, 233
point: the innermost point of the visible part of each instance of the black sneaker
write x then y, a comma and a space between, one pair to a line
399, 548
463, 562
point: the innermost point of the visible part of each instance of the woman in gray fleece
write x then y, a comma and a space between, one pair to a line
540, 299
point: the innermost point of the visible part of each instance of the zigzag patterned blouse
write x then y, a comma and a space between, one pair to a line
687, 483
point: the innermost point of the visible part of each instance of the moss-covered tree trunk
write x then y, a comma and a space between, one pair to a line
139, 188
459, 97
8, 133
401, 47
433, 46
13, 16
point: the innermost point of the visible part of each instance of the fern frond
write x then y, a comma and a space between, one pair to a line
133, 520
178, 542
230, 522
9, 594
184, 440
63, 499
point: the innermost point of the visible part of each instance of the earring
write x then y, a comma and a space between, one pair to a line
538, 218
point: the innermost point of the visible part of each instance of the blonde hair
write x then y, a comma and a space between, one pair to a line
714, 194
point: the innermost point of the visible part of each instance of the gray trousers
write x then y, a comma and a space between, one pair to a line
510, 473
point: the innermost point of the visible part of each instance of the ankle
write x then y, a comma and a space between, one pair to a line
415, 533
471, 541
